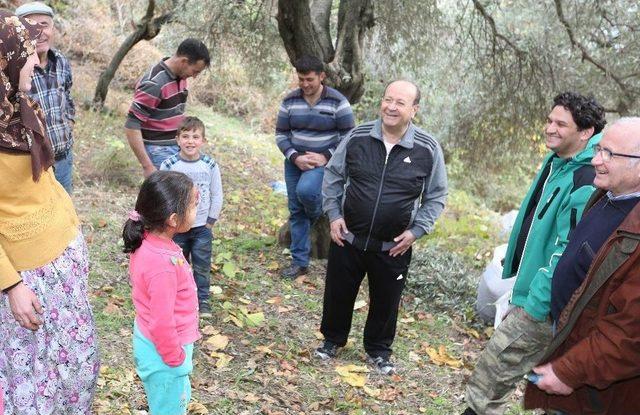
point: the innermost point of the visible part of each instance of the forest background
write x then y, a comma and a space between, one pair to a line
488, 70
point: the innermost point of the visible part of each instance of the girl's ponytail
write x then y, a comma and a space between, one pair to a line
133, 232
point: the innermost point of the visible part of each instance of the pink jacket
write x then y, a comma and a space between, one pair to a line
165, 298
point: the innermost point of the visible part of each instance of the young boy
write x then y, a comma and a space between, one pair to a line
204, 172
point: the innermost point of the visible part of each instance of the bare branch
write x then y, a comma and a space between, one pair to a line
628, 97
492, 24
583, 49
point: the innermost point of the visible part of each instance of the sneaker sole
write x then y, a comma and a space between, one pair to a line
322, 355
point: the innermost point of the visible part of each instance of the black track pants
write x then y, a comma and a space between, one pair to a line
345, 270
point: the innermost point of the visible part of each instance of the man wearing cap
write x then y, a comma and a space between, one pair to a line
51, 87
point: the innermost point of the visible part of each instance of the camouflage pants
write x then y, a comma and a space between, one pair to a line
515, 348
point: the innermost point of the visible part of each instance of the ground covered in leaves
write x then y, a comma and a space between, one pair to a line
256, 353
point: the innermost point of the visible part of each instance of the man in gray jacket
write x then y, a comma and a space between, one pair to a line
384, 187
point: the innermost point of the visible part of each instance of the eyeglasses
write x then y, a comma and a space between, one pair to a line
607, 154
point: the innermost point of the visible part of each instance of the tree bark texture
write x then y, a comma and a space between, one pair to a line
305, 29
146, 29
320, 238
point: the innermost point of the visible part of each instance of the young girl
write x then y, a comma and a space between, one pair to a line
164, 292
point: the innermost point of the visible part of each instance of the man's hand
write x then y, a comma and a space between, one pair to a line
304, 162
25, 306
317, 159
134, 137
147, 170
338, 230
550, 382
404, 240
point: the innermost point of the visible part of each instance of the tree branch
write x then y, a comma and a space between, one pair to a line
585, 53
494, 30
321, 22
623, 104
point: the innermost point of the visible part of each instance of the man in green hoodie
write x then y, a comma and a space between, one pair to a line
551, 209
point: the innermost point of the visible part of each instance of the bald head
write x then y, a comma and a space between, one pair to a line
626, 130
398, 107
408, 86
620, 146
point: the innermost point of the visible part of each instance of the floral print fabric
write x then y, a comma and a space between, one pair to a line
21, 118
53, 370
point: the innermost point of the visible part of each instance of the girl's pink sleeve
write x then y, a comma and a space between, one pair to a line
162, 288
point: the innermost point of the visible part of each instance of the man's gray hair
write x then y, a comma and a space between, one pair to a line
628, 123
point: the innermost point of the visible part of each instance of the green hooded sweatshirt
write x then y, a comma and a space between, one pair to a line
565, 192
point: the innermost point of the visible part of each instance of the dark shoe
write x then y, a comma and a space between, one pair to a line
204, 310
469, 411
327, 351
382, 365
294, 271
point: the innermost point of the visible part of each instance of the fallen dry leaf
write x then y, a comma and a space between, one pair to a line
373, 392
196, 408
351, 374
111, 308
265, 350
209, 330
440, 357
223, 359
273, 266
218, 342
274, 300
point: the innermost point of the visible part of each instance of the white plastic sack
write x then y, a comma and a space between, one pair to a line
492, 287
506, 223
502, 307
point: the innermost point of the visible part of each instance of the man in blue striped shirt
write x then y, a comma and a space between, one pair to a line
51, 87
311, 122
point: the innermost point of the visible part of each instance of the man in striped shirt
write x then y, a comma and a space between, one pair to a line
159, 103
311, 122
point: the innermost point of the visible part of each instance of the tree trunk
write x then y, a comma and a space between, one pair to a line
146, 29
304, 27
320, 238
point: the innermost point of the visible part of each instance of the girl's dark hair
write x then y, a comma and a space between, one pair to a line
161, 194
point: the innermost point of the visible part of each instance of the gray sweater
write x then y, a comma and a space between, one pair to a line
205, 174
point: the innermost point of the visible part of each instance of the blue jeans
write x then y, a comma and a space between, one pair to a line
63, 170
304, 191
168, 389
158, 154
196, 246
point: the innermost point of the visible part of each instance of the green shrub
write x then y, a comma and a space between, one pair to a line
444, 281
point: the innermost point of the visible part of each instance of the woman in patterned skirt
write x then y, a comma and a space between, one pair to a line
48, 357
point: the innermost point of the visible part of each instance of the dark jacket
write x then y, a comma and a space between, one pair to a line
380, 197
596, 350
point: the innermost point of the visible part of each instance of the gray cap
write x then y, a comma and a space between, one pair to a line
35, 7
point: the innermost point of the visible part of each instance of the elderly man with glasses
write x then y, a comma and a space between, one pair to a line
551, 209
593, 364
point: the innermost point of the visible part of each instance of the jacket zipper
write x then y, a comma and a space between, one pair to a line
375, 208
548, 203
526, 241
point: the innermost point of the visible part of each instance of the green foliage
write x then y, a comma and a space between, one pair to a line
114, 163
466, 227
444, 281
500, 187
445, 268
